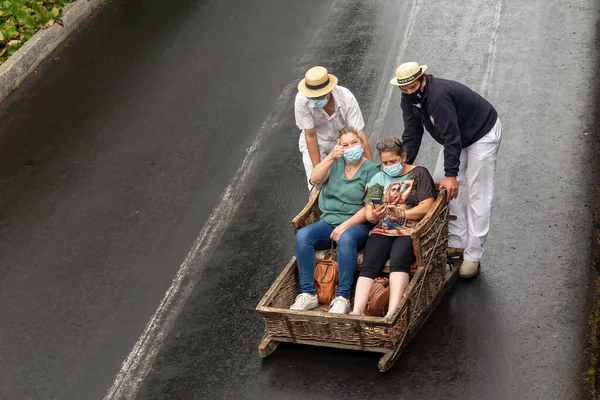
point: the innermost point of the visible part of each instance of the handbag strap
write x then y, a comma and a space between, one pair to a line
333, 250
331, 253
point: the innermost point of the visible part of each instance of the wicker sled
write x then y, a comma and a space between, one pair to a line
428, 284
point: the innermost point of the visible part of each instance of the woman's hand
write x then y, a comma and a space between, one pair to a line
337, 232
379, 212
337, 152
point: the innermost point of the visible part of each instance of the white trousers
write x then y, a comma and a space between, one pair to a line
325, 148
477, 167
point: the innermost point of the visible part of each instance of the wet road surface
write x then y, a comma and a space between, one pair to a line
114, 155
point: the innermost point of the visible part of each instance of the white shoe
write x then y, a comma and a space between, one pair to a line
340, 305
304, 302
468, 269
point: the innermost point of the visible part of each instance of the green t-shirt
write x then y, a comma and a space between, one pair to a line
341, 198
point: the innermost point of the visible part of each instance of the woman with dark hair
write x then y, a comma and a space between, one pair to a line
397, 198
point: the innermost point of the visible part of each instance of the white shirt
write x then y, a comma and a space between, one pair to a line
346, 113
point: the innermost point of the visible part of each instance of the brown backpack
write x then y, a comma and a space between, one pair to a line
326, 280
379, 298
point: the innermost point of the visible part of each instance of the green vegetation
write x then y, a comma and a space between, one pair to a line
594, 322
20, 19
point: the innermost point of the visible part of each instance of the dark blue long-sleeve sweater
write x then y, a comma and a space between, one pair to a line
454, 115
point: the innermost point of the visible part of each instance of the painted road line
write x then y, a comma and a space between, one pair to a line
489, 69
138, 363
383, 100
140, 360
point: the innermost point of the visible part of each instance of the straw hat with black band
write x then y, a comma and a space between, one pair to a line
407, 73
317, 82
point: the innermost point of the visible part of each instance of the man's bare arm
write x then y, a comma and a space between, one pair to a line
366, 146
313, 146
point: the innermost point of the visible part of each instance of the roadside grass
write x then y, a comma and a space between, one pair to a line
593, 371
594, 324
20, 19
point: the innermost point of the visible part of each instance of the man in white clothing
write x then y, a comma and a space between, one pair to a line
468, 128
321, 109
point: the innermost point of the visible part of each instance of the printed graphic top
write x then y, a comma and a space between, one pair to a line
404, 192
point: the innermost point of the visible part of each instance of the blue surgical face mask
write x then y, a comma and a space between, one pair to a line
393, 170
354, 154
320, 103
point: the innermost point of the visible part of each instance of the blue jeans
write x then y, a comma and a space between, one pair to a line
316, 237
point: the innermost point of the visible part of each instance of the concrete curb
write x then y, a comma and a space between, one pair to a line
24, 61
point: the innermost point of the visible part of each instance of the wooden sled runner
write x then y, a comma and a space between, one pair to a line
427, 286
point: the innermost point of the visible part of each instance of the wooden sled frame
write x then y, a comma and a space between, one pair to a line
426, 288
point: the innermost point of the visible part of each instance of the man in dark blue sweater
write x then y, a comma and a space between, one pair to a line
468, 128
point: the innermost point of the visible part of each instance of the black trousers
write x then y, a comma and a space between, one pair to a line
380, 248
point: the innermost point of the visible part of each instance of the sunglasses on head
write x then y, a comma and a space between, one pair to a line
390, 144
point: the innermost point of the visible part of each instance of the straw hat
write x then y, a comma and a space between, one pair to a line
407, 73
317, 82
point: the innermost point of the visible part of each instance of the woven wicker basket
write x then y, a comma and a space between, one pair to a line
316, 327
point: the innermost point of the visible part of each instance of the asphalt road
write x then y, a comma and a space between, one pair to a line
117, 152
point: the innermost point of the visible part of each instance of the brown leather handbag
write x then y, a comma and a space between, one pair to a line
326, 280
379, 298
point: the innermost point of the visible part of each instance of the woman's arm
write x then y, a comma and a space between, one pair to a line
418, 212
375, 215
425, 190
369, 213
321, 171
358, 218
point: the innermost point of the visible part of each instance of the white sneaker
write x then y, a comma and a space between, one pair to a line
305, 301
340, 305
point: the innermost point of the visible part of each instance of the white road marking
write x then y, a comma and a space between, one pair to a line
140, 360
379, 113
489, 69
383, 98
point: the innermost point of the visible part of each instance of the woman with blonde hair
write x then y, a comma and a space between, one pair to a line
344, 174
